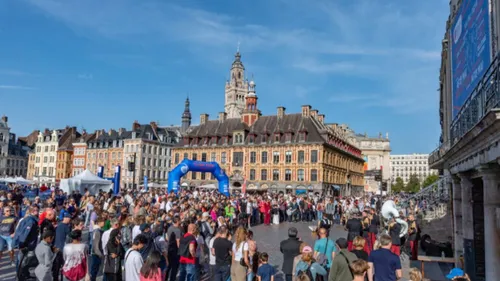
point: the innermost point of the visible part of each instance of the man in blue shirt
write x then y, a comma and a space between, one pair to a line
387, 266
324, 248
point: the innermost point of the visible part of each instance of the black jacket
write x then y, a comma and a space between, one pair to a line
290, 249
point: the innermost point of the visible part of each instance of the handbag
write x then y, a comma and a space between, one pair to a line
322, 258
242, 261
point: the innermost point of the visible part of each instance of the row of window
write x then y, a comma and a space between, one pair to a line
104, 155
107, 144
46, 148
423, 168
287, 176
409, 163
16, 163
45, 171
46, 159
153, 161
15, 172
151, 174
79, 151
239, 138
78, 162
150, 149
238, 157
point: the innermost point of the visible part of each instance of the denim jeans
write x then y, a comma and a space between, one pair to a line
320, 215
188, 272
222, 273
95, 264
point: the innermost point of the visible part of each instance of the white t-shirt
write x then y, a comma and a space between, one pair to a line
238, 254
211, 245
133, 265
105, 239
136, 230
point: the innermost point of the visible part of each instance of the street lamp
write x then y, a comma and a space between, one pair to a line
131, 168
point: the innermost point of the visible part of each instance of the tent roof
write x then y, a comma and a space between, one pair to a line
87, 176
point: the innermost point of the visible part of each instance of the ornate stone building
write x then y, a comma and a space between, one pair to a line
13, 152
4, 144
106, 150
285, 152
150, 145
236, 89
80, 153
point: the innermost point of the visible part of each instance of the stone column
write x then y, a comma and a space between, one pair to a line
491, 184
457, 218
467, 218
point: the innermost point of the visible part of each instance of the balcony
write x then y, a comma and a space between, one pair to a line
485, 97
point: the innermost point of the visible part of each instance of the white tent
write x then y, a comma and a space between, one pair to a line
21, 180
86, 180
208, 186
8, 180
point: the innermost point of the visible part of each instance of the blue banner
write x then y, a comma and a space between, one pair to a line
146, 183
470, 49
116, 182
186, 166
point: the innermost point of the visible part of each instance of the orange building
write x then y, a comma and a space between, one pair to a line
80, 153
64, 163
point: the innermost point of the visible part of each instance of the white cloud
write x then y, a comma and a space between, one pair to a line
16, 87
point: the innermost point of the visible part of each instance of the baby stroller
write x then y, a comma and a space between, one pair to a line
27, 266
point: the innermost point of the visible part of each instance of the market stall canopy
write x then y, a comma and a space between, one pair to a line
86, 180
21, 180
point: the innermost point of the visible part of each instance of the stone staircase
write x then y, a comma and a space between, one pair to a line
434, 216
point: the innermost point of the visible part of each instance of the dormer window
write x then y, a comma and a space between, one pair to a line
207, 139
277, 137
288, 137
251, 139
226, 139
302, 136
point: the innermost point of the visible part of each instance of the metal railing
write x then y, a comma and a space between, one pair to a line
484, 97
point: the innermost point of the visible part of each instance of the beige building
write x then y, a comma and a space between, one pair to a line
403, 166
376, 154
150, 146
45, 156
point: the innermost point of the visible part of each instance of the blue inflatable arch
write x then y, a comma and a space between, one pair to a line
186, 166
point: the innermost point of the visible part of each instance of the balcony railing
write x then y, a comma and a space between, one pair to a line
485, 96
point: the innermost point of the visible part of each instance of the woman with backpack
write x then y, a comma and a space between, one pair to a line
113, 260
307, 266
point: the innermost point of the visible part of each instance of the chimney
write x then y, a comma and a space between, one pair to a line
314, 113
97, 133
222, 116
84, 132
154, 125
135, 125
203, 118
281, 111
121, 131
5, 119
321, 118
306, 110
334, 126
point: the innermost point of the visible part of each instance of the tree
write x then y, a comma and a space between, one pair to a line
398, 186
413, 184
430, 180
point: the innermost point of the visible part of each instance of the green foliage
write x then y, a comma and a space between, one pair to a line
398, 186
413, 184
430, 180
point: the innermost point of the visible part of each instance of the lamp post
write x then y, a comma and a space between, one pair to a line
131, 168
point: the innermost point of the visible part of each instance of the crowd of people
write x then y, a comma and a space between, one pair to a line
153, 236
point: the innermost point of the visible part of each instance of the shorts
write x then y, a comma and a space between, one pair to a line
6, 240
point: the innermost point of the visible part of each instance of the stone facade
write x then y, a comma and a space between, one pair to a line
469, 154
4, 145
403, 166
236, 89
79, 153
376, 153
295, 151
151, 145
65, 154
45, 156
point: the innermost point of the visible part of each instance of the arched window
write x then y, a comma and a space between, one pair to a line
239, 75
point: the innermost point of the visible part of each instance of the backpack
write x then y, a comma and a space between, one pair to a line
26, 228
184, 246
307, 272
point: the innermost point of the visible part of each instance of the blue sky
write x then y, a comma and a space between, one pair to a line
373, 64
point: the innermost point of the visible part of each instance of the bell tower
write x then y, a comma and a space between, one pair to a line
250, 113
236, 89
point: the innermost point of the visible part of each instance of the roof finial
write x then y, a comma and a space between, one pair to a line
238, 48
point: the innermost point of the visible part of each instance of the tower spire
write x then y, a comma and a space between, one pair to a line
238, 47
186, 116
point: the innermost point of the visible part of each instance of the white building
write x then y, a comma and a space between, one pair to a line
405, 165
46, 156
